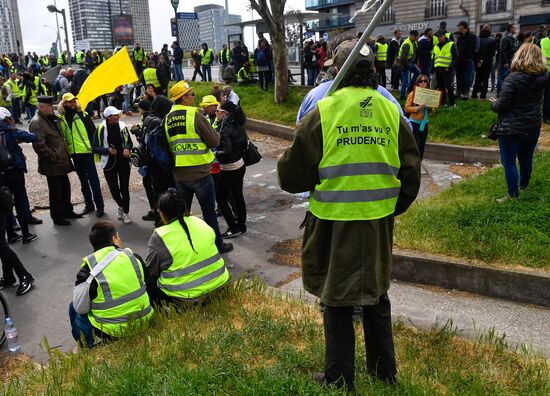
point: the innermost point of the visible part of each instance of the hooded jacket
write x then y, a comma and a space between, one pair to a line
519, 103
233, 140
159, 108
14, 135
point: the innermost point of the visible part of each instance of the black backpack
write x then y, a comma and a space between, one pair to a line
5, 154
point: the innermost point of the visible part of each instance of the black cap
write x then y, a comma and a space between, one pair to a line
144, 105
440, 33
463, 24
45, 99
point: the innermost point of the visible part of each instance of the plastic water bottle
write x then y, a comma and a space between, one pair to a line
11, 334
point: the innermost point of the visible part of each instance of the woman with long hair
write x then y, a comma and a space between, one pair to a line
519, 111
418, 115
233, 141
183, 262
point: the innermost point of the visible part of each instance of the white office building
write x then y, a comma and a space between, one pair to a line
10, 28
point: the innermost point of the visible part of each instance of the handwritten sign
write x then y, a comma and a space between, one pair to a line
427, 97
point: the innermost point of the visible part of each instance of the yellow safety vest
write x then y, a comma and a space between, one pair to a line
545, 47
360, 163
224, 55
79, 56
206, 57
8, 61
33, 100
436, 39
122, 304
381, 52
185, 143
139, 55
193, 273
16, 90
62, 59
443, 56
411, 48
76, 137
242, 75
150, 77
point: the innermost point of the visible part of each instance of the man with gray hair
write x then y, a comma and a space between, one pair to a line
61, 84
229, 94
484, 62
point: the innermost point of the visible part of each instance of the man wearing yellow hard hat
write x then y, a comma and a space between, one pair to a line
191, 138
78, 130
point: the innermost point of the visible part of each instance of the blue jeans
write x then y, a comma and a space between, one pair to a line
465, 77
206, 69
81, 327
502, 73
311, 75
126, 103
89, 180
178, 72
521, 147
206, 195
406, 80
30, 110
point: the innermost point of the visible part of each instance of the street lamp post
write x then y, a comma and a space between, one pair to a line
59, 43
53, 8
175, 4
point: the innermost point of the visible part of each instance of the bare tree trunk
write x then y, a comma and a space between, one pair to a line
274, 18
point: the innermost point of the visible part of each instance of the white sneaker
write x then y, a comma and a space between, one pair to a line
120, 213
126, 218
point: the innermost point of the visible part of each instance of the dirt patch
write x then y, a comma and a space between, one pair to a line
282, 203
544, 140
466, 171
288, 279
12, 366
287, 252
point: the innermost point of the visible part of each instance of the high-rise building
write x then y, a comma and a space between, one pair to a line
139, 9
188, 29
10, 28
92, 27
211, 19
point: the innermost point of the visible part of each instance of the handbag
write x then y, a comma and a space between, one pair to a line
251, 155
493, 131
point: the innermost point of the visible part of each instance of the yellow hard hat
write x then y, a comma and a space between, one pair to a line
68, 97
179, 89
209, 100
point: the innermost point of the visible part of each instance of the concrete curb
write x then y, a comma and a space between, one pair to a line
434, 151
511, 285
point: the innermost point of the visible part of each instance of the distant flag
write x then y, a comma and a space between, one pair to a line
115, 71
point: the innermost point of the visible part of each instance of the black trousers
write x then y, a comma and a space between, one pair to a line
381, 75
196, 71
59, 189
481, 84
14, 179
264, 78
10, 261
230, 184
340, 343
118, 180
445, 84
395, 76
160, 180
420, 137
148, 185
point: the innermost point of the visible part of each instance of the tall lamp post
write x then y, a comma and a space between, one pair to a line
175, 4
53, 8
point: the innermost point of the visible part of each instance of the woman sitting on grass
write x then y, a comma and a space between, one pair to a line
419, 115
519, 111
183, 262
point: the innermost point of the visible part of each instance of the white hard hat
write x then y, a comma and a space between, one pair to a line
4, 113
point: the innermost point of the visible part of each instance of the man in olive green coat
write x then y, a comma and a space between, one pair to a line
348, 263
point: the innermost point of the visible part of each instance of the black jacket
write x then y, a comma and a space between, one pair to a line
159, 108
519, 103
508, 47
487, 48
466, 46
232, 141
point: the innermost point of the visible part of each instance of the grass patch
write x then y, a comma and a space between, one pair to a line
465, 221
253, 344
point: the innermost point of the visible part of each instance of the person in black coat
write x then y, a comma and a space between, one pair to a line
467, 47
484, 62
507, 47
233, 142
519, 112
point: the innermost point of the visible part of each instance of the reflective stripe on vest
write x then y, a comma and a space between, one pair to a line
185, 143
150, 77
443, 56
121, 299
193, 273
360, 163
77, 136
381, 52
411, 48
545, 47
242, 75
206, 57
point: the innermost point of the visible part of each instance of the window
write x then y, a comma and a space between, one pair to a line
389, 16
436, 8
495, 6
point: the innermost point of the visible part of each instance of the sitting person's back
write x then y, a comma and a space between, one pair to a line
110, 298
229, 74
183, 261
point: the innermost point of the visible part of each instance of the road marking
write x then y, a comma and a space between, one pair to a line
273, 171
257, 175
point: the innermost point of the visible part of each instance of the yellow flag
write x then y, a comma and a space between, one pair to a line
115, 71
